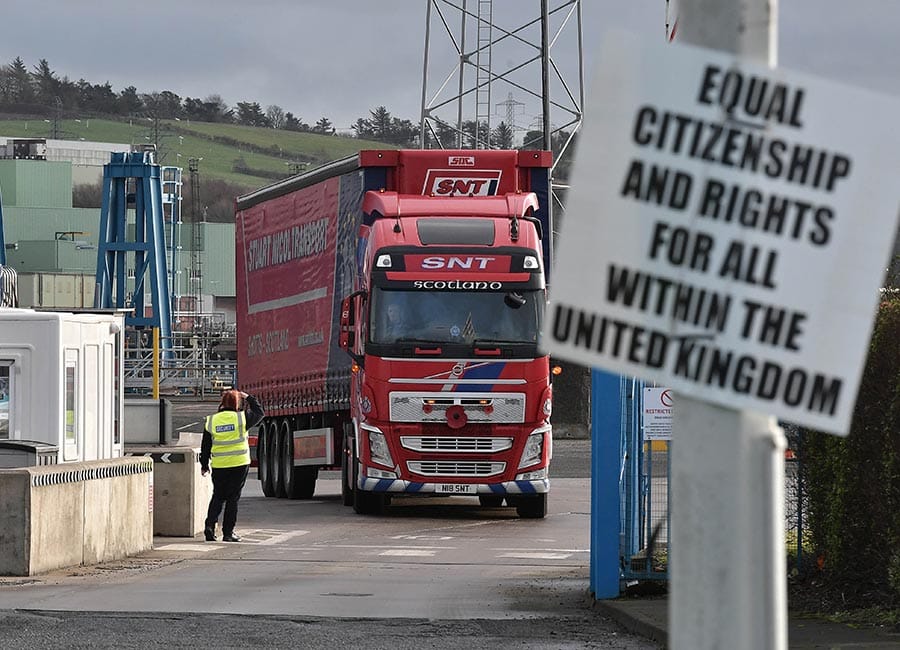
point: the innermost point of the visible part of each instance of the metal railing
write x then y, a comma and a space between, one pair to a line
197, 364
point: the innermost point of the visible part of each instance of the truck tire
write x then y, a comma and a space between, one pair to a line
532, 507
365, 503
286, 459
263, 461
490, 500
277, 468
346, 469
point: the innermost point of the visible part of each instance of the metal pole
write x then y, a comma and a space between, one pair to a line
425, 75
728, 578
155, 363
462, 69
202, 366
605, 436
545, 73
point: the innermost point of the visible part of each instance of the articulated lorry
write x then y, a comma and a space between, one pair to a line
388, 310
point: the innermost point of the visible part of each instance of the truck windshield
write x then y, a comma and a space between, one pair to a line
455, 316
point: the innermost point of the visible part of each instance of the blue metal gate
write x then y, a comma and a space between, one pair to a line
629, 489
644, 490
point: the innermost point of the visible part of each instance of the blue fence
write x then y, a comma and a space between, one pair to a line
630, 491
644, 489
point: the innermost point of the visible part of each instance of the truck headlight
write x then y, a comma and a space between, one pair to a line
534, 450
378, 448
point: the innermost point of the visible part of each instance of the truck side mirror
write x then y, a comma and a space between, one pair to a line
347, 334
538, 226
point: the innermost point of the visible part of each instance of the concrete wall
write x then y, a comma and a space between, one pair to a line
74, 514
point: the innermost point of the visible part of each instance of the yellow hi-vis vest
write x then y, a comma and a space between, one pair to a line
230, 447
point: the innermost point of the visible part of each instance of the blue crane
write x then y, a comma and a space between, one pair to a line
139, 172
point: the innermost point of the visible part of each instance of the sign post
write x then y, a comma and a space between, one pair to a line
728, 466
738, 220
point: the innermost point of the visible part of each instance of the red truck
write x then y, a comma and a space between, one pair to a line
388, 310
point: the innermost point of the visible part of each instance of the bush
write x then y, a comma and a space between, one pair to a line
853, 483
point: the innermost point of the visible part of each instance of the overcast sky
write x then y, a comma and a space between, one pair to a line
341, 58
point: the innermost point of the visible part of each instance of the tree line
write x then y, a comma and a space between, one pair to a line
41, 91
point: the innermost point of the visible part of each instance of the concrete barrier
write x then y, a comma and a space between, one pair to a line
181, 494
148, 421
74, 514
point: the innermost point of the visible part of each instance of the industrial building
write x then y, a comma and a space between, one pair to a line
53, 246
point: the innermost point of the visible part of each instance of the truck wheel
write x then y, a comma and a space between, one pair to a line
490, 500
365, 503
286, 458
346, 470
263, 442
275, 460
532, 507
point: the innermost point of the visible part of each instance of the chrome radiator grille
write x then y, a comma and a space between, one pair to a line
480, 408
455, 468
451, 444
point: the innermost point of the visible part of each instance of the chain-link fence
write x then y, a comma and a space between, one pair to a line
644, 486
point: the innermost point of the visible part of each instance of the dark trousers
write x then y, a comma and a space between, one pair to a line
227, 485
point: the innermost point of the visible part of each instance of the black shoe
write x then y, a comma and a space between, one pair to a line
210, 534
231, 538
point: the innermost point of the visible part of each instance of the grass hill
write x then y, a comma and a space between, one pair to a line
245, 156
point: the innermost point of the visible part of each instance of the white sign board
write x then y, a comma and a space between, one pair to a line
658, 413
727, 230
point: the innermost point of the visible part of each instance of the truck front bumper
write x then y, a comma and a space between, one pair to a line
411, 487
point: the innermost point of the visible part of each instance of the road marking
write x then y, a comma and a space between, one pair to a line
199, 548
283, 537
187, 425
433, 538
257, 536
374, 546
536, 556
399, 552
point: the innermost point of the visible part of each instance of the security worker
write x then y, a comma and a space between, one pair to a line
225, 446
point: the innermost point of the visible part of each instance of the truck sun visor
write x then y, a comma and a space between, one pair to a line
456, 231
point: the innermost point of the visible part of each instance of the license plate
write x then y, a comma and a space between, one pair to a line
456, 488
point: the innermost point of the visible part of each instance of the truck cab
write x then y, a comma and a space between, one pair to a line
452, 395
